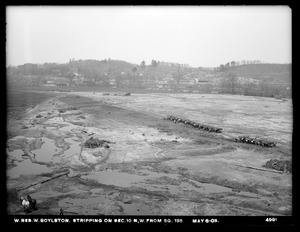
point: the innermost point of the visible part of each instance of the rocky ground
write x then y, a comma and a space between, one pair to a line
149, 166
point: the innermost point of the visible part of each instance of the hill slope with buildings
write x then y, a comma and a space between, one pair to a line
249, 79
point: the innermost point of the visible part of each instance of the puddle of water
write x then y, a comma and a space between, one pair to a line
15, 154
26, 167
46, 154
110, 177
74, 149
47, 150
122, 179
24, 164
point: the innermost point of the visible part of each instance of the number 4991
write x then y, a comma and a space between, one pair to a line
271, 219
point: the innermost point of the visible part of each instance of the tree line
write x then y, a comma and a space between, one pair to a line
230, 84
255, 66
125, 74
146, 75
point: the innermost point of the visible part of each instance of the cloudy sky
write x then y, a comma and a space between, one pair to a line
195, 35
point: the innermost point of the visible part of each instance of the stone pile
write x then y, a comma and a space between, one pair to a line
255, 141
197, 125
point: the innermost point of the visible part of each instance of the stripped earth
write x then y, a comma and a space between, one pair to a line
150, 166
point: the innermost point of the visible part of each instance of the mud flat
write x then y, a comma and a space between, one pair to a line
150, 166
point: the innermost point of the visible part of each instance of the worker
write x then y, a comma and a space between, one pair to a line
26, 205
32, 203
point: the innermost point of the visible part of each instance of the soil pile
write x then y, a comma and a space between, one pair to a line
279, 165
94, 143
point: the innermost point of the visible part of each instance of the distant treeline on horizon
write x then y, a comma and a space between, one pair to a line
230, 63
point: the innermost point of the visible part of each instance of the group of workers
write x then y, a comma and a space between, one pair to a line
28, 204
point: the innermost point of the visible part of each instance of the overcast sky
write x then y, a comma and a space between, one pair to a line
195, 35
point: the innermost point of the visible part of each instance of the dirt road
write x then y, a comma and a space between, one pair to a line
152, 166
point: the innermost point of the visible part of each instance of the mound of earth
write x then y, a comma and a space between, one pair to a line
94, 143
279, 165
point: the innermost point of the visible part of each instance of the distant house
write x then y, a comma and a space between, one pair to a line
78, 80
112, 81
50, 85
88, 83
62, 82
50, 82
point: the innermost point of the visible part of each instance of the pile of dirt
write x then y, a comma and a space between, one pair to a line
255, 141
194, 124
94, 143
122, 94
279, 165
67, 109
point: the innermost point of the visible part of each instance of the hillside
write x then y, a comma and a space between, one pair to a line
248, 79
275, 73
260, 68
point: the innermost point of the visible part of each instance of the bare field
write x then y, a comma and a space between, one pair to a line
152, 166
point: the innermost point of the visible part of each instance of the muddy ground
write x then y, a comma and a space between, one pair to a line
151, 166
